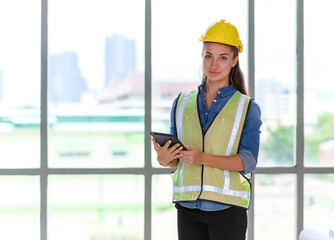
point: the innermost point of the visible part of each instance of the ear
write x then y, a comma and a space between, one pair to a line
235, 61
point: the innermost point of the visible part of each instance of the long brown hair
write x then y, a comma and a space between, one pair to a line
236, 77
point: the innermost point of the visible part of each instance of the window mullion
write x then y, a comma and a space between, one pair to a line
251, 90
44, 122
147, 127
300, 117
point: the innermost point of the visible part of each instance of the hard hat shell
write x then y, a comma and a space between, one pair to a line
223, 32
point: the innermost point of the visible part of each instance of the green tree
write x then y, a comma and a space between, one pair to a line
280, 144
325, 124
323, 130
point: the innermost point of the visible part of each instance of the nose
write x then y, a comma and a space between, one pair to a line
214, 64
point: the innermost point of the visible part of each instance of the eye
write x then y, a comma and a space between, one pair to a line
207, 56
223, 58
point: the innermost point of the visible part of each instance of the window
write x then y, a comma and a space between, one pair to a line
274, 206
19, 207
96, 207
275, 81
83, 82
318, 116
20, 84
275, 91
96, 84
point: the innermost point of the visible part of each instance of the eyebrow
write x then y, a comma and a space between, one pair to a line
219, 54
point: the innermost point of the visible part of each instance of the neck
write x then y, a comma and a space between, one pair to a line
212, 88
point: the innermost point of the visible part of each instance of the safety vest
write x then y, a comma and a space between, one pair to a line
222, 138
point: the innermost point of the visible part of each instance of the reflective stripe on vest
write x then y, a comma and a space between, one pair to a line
203, 182
183, 100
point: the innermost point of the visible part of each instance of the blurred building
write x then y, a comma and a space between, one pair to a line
277, 101
120, 57
66, 83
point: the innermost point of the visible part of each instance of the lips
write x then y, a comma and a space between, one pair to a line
214, 73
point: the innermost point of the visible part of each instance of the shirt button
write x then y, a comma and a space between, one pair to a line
215, 100
206, 113
219, 92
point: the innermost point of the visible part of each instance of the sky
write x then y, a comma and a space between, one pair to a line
82, 26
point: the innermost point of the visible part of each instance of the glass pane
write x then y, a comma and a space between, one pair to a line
96, 83
275, 207
19, 207
176, 49
275, 80
96, 207
20, 23
164, 217
319, 85
319, 202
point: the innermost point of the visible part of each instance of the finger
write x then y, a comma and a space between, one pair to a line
176, 148
179, 155
167, 144
186, 153
154, 142
180, 149
155, 147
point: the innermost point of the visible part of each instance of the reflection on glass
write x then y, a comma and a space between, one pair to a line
19, 207
20, 83
96, 207
176, 49
96, 83
275, 207
319, 202
319, 85
275, 80
164, 219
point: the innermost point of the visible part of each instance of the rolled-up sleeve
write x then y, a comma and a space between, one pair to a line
248, 160
250, 141
172, 129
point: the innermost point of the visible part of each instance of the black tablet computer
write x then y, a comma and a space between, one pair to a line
162, 138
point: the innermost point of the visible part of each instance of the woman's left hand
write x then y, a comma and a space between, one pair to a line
191, 156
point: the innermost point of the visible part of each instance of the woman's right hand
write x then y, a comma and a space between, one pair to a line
166, 154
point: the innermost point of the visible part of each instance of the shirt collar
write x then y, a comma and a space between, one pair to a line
223, 92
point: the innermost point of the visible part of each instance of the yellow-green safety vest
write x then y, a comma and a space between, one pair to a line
222, 138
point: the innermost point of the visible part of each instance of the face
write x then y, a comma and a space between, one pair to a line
218, 60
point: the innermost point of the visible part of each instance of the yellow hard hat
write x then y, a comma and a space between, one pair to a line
223, 32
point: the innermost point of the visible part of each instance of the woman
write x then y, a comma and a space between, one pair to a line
219, 125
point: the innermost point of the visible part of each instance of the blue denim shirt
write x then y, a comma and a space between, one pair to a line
249, 144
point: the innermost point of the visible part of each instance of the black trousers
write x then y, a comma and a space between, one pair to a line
228, 224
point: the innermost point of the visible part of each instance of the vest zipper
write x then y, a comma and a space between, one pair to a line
200, 122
